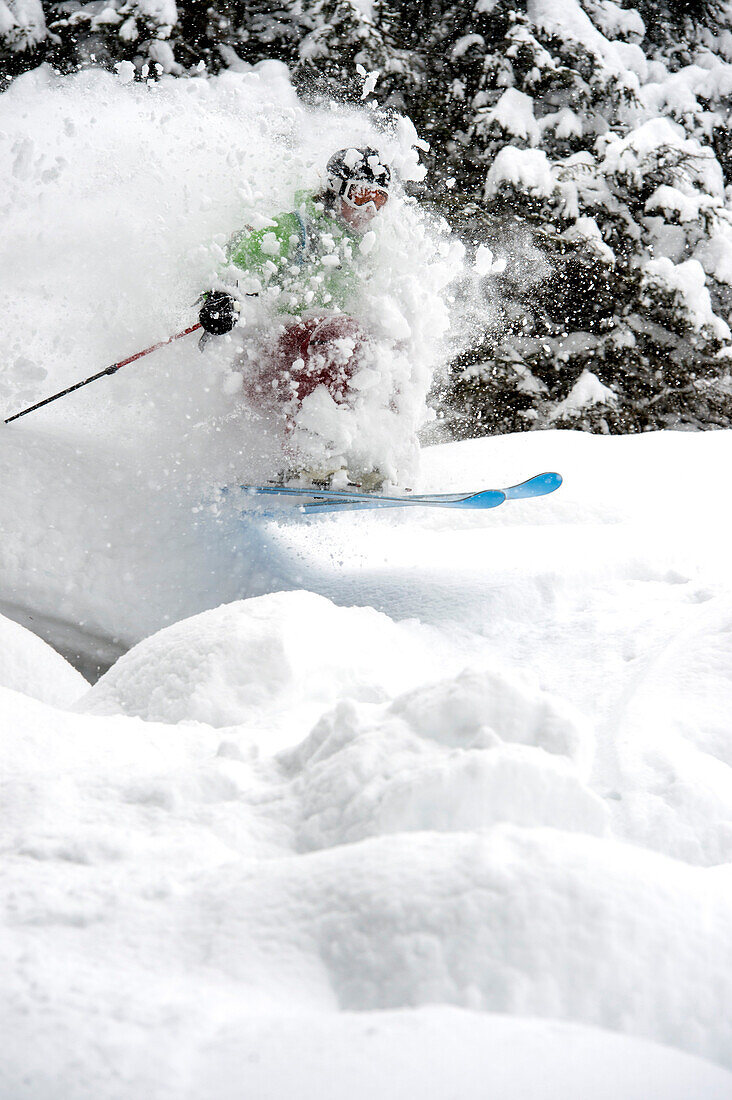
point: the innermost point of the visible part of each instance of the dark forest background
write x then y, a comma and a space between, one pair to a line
587, 142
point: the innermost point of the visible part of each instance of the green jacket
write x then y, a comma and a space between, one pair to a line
308, 259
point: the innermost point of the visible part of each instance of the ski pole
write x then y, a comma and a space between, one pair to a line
107, 370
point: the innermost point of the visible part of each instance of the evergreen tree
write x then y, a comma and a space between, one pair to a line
619, 333
23, 34
345, 41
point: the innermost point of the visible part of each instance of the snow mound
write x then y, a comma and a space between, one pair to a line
247, 661
534, 922
29, 665
458, 754
395, 1055
476, 705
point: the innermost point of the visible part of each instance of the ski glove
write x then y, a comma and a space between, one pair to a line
219, 313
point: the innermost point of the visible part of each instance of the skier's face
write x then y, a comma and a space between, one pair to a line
357, 219
361, 203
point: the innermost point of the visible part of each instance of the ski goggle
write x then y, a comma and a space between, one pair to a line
360, 195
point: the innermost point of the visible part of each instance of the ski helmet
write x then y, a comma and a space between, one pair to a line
363, 164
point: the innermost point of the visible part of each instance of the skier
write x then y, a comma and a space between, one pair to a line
310, 264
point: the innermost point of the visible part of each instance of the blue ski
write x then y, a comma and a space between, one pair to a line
312, 500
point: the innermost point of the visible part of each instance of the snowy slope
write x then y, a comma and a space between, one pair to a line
501, 784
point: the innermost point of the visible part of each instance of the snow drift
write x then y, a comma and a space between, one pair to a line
290, 819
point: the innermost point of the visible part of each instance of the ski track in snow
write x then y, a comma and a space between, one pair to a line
370, 805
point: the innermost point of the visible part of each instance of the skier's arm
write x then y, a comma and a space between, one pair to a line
262, 251
259, 254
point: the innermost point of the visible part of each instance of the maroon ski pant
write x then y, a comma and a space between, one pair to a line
316, 351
